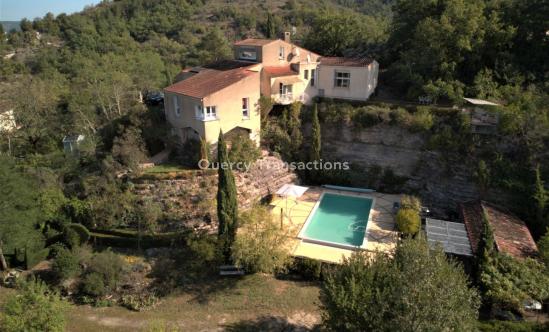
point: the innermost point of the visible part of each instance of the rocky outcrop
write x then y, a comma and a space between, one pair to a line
441, 184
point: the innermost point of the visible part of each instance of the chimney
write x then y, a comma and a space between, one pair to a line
287, 36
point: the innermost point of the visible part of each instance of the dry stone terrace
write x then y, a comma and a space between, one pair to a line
191, 195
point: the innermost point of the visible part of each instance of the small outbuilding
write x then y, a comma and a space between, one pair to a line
7, 121
511, 235
484, 119
71, 143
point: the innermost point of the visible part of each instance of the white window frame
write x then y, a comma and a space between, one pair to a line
313, 78
247, 54
306, 74
342, 79
210, 113
281, 52
176, 106
285, 89
246, 108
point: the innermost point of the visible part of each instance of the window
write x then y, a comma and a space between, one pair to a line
246, 108
206, 113
306, 74
247, 54
285, 90
176, 106
342, 79
313, 73
210, 113
198, 112
281, 52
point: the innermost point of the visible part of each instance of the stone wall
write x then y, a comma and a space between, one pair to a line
189, 198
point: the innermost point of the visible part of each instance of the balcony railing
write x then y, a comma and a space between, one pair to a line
286, 98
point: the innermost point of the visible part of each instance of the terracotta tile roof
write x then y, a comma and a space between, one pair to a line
347, 62
254, 41
510, 233
277, 71
208, 81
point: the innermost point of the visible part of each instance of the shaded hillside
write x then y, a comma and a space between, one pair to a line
10, 25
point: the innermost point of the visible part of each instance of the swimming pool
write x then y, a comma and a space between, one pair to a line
338, 220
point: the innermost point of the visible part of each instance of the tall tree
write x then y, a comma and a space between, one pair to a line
227, 201
214, 47
315, 135
19, 213
406, 292
293, 127
541, 198
270, 27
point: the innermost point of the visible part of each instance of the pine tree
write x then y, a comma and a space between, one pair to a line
541, 198
315, 136
204, 150
294, 129
227, 204
270, 30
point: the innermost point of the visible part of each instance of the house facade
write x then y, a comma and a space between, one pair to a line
225, 96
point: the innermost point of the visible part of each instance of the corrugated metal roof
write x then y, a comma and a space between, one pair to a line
451, 236
480, 102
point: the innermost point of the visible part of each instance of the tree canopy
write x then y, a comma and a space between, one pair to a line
416, 290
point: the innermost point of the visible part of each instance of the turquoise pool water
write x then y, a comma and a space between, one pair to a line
340, 220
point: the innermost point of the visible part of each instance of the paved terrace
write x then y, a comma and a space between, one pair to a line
380, 234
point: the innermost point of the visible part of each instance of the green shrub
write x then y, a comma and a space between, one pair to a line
365, 117
102, 274
261, 245
408, 221
65, 264
400, 116
310, 269
93, 284
422, 119
138, 302
34, 308
204, 247
410, 202
243, 150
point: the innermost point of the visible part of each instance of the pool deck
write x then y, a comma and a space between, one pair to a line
380, 232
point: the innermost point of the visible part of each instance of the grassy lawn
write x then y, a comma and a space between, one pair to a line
251, 303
